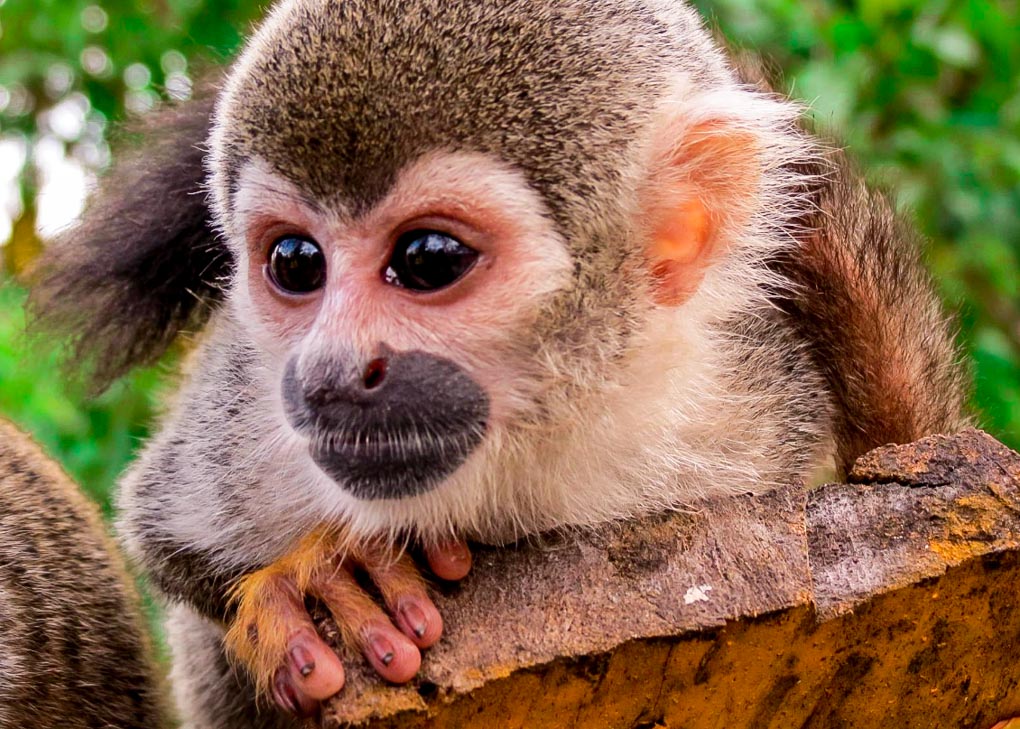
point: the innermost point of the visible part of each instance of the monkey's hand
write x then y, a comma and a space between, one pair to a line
274, 638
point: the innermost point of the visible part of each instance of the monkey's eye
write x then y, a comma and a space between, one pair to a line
427, 260
297, 265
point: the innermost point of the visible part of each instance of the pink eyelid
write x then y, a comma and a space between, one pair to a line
472, 225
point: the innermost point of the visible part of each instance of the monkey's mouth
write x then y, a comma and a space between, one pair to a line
392, 431
388, 465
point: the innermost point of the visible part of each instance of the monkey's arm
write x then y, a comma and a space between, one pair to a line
865, 305
868, 309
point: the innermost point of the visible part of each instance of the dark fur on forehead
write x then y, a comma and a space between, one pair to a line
340, 95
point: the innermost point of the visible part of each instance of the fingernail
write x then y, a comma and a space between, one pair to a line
302, 660
285, 695
414, 617
383, 649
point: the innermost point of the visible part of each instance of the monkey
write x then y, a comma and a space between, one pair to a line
473, 271
73, 649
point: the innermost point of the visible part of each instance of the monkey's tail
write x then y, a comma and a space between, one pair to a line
868, 309
144, 261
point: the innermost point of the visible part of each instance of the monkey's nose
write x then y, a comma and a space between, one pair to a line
375, 373
332, 386
393, 427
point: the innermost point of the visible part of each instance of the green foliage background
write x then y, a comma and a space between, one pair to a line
926, 94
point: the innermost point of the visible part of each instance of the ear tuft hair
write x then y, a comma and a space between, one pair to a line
144, 262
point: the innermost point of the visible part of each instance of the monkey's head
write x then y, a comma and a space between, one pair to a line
463, 230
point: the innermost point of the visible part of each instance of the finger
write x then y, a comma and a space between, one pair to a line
450, 561
365, 625
418, 618
273, 636
290, 699
403, 590
314, 670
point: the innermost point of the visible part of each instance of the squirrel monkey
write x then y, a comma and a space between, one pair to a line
474, 271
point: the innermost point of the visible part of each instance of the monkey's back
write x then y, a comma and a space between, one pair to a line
73, 652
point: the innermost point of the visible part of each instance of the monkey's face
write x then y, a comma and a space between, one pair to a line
399, 333
480, 244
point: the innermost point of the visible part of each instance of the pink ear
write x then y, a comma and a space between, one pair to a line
697, 195
677, 247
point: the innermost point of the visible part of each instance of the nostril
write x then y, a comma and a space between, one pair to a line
375, 373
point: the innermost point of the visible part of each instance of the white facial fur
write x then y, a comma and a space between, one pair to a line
675, 434
666, 432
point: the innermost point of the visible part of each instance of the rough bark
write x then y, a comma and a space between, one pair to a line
890, 601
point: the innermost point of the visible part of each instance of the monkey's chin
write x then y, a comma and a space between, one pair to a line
397, 469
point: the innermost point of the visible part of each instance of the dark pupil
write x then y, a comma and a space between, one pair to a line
297, 265
426, 260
